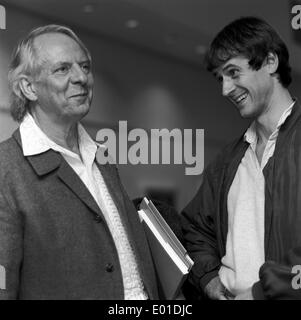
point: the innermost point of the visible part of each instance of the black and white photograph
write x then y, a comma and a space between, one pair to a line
150, 150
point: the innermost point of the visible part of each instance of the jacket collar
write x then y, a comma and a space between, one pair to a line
46, 162
239, 146
42, 163
287, 126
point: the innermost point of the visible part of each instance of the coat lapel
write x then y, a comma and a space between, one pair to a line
49, 161
113, 183
110, 176
270, 169
268, 172
230, 166
131, 223
72, 180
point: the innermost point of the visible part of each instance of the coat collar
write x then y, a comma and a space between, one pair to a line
287, 126
46, 162
51, 160
281, 142
42, 163
239, 146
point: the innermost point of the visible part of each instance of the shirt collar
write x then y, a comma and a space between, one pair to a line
35, 141
251, 134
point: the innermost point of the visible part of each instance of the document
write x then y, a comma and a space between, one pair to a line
171, 259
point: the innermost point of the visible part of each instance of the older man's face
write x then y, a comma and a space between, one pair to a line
64, 84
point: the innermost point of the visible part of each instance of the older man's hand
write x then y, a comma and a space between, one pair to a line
215, 289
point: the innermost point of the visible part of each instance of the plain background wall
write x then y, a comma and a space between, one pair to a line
147, 90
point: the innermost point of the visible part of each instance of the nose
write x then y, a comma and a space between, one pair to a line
78, 75
228, 86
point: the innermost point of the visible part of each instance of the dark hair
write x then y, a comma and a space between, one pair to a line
254, 39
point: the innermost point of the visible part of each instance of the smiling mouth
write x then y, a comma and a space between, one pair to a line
79, 95
239, 99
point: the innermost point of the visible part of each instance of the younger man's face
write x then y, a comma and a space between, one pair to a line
249, 90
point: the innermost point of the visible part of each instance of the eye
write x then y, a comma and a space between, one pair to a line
62, 69
233, 73
86, 67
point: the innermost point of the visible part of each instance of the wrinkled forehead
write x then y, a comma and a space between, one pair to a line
51, 47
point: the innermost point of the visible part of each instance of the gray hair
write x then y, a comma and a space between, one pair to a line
24, 62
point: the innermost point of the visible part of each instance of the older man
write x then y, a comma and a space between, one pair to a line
67, 227
243, 227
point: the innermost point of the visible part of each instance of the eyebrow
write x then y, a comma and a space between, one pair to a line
69, 62
229, 66
62, 62
218, 72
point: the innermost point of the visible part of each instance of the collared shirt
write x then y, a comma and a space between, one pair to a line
35, 141
246, 199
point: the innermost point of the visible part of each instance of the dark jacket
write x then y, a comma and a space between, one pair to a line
54, 241
206, 217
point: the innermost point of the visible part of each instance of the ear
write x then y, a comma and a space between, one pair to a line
272, 62
27, 87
